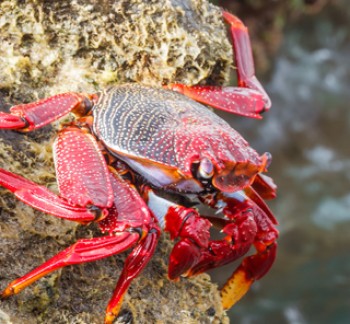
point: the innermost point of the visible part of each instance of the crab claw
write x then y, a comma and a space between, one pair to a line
247, 222
194, 237
183, 257
184, 224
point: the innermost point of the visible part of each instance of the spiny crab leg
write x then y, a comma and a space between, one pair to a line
27, 117
134, 264
81, 169
129, 214
249, 98
42, 199
239, 101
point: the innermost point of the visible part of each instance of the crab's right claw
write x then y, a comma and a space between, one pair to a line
252, 268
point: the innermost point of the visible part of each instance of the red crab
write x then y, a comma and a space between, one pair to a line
131, 143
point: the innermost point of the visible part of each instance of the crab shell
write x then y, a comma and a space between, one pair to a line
162, 134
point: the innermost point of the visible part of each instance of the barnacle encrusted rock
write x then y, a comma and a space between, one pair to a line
53, 46
49, 47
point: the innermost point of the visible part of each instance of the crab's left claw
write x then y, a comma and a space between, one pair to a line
193, 235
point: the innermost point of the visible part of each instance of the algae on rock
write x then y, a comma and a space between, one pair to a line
48, 47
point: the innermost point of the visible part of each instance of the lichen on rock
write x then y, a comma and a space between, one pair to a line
48, 47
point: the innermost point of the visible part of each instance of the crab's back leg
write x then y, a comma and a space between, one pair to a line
83, 179
249, 98
27, 117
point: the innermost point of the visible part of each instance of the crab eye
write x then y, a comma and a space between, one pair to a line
205, 169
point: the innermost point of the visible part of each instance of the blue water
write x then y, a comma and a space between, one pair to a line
308, 133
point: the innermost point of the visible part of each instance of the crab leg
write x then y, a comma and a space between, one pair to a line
82, 251
134, 264
128, 222
244, 56
27, 117
40, 198
239, 101
130, 214
249, 98
84, 185
82, 173
87, 250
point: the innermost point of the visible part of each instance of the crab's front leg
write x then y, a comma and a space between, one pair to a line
249, 98
27, 117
